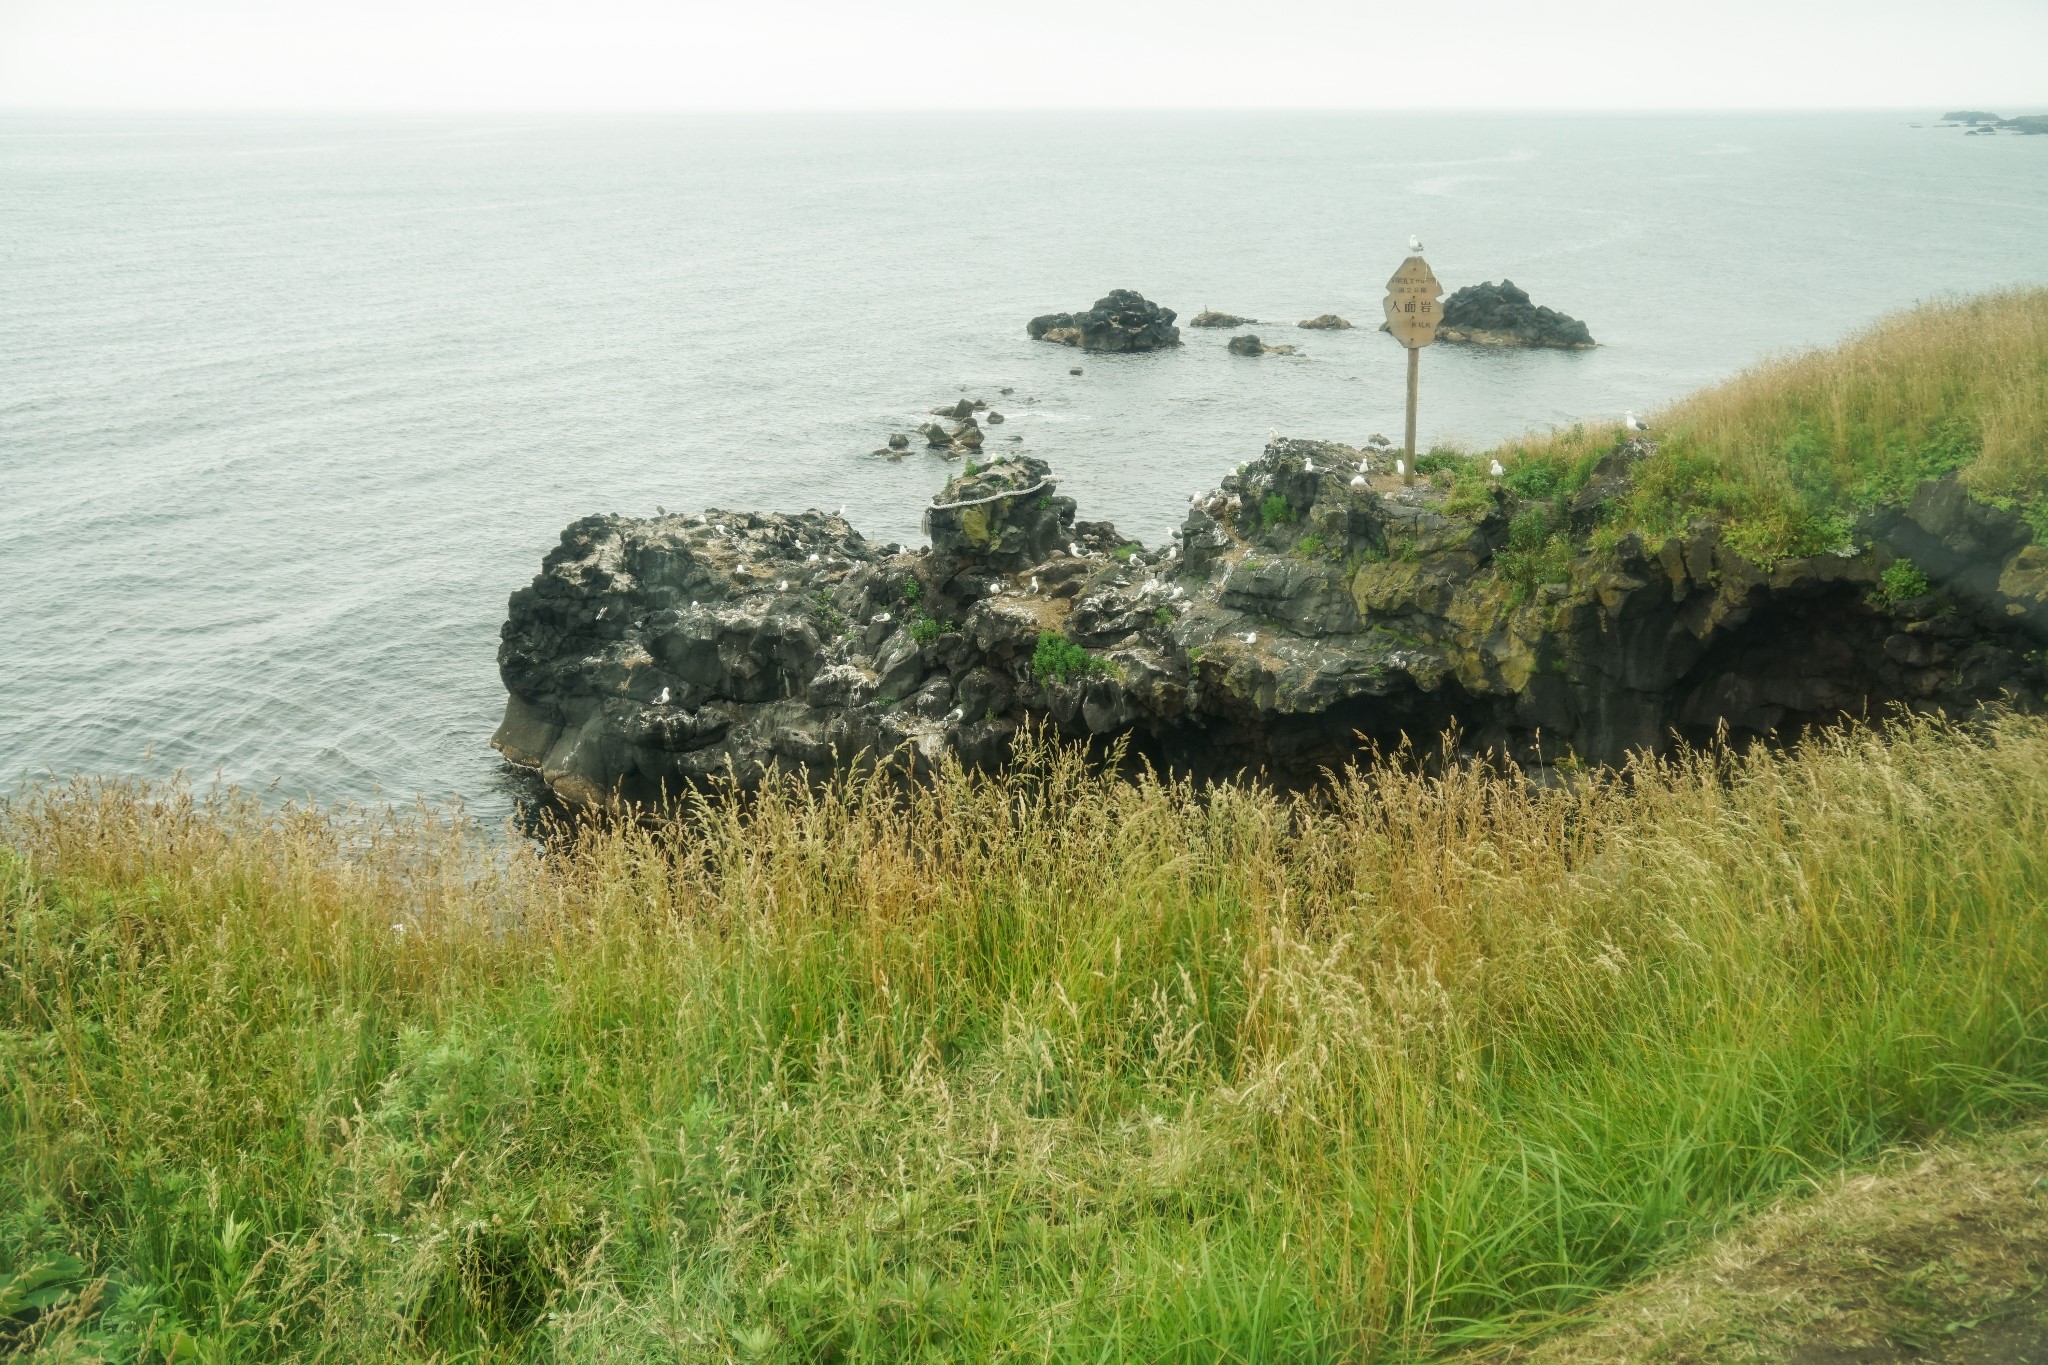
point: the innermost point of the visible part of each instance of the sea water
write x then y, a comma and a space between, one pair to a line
289, 405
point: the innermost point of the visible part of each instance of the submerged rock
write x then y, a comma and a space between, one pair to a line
1209, 317
1501, 315
1121, 320
1300, 610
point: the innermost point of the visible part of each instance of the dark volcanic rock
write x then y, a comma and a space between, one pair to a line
1249, 344
1209, 317
1501, 315
1299, 611
1121, 320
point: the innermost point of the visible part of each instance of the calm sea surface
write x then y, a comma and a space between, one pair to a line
288, 406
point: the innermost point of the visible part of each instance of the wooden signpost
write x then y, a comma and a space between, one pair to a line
1412, 316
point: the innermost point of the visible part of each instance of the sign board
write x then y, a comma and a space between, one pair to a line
1412, 311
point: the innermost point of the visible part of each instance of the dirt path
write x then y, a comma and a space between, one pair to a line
1940, 1257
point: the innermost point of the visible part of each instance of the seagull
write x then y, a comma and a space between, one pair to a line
1358, 480
1272, 435
1414, 242
1496, 470
813, 559
1401, 467
1074, 548
1308, 466
1250, 637
662, 700
1034, 582
1632, 422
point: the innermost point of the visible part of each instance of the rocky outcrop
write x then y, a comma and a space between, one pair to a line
1303, 613
1121, 320
1325, 322
1209, 317
1249, 344
1501, 315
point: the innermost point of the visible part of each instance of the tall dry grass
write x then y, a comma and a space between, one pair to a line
1789, 452
1042, 1067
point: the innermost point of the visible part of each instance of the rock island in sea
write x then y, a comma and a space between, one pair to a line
1311, 606
1121, 320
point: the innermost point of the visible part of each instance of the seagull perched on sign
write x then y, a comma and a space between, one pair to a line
1414, 242
1632, 422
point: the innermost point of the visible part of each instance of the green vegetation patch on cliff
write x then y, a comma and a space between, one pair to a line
1787, 455
1049, 1065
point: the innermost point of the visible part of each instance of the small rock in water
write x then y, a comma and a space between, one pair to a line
1006, 392
898, 441
995, 419
1324, 322
1075, 370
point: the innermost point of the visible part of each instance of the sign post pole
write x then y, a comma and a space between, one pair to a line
1412, 316
1414, 371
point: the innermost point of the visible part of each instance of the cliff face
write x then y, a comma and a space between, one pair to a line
1307, 603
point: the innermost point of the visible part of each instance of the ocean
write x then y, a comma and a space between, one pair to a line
288, 405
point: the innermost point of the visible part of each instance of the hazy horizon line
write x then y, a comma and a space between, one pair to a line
2018, 108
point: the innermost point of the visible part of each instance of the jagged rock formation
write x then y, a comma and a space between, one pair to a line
1121, 320
1325, 322
1501, 315
1249, 344
1304, 606
1209, 317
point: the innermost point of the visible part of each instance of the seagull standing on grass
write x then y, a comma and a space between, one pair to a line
1632, 422
1496, 470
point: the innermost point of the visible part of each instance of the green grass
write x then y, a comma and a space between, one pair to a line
1787, 455
1050, 1066
1275, 510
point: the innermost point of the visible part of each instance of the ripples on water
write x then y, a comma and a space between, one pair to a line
288, 406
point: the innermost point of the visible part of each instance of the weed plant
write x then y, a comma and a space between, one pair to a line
1047, 1066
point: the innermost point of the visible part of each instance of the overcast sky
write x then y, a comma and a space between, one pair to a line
952, 54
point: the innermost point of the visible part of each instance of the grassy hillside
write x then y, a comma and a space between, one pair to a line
1789, 453
1046, 1067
